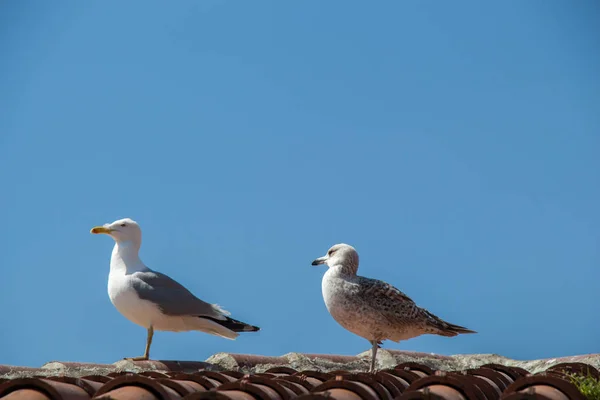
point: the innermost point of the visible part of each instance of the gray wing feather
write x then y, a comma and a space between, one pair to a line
172, 297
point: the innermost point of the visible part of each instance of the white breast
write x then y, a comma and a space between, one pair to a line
328, 288
335, 294
339, 293
126, 300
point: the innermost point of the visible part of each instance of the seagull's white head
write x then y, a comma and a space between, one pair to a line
340, 254
122, 230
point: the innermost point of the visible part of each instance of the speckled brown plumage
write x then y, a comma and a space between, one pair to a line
373, 309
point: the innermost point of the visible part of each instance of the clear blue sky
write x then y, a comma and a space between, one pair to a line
454, 144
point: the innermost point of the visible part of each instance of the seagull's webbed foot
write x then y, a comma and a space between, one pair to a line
146, 355
140, 358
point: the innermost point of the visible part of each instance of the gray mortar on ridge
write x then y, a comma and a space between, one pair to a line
300, 362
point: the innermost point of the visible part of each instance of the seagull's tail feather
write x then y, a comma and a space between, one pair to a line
443, 328
234, 325
453, 330
208, 325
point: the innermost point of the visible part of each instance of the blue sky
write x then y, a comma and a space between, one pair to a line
454, 144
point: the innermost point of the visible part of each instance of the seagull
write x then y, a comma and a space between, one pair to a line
153, 300
373, 309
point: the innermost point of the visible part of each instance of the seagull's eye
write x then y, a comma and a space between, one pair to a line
123, 225
330, 252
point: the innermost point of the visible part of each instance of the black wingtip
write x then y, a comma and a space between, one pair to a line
234, 324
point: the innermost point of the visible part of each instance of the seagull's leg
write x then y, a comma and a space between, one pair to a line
148, 344
374, 353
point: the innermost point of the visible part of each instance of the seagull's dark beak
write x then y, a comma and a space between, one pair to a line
320, 260
100, 229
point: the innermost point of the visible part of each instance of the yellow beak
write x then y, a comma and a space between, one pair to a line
100, 229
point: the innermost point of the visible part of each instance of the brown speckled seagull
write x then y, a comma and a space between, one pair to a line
373, 309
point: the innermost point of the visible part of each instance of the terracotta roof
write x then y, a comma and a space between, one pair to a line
302, 377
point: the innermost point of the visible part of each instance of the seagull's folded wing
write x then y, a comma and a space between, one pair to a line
397, 307
171, 297
388, 300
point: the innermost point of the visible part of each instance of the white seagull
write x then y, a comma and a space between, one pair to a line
373, 309
153, 300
